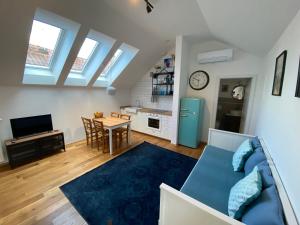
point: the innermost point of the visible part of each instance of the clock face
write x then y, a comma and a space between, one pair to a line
199, 80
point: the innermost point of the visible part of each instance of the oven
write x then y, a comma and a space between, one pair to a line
154, 122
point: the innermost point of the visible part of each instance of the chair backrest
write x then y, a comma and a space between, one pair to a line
87, 123
99, 128
125, 117
115, 114
98, 115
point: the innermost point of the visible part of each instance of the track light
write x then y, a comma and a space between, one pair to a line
149, 6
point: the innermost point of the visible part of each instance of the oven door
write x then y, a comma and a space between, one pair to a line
154, 123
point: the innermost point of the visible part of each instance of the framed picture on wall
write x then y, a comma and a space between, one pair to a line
298, 83
279, 74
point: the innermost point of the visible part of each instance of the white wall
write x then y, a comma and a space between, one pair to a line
180, 82
242, 65
66, 105
279, 120
142, 91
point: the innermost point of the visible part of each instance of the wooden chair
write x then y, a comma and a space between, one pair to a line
98, 115
102, 135
124, 131
115, 114
90, 132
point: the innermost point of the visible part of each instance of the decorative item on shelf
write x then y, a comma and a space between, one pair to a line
157, 68
168, 62
279, 74
297, 94
199, 80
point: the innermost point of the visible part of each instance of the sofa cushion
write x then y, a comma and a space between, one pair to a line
259, 149
243, 193
212, 178
256, 143
265, 210
253, 160
266, 174
241, 155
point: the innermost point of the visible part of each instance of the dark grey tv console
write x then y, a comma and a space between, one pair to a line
31, 148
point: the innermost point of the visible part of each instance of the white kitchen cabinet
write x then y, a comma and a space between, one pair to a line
143, 123
165, 127
134, 118
140, 123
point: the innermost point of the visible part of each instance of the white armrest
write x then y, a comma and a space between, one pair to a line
176, 208
226, 140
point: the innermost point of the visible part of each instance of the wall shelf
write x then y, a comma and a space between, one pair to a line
162, 84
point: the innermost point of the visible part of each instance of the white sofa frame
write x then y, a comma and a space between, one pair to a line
176, 208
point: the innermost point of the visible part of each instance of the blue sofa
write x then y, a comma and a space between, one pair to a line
213, 177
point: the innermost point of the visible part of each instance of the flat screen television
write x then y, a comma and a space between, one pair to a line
31, 125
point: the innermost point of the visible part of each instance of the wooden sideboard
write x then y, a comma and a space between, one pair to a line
31, 148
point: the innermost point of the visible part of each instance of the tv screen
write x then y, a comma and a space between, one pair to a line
31, 125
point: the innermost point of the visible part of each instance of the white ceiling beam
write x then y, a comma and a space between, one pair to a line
82, 34
106, 60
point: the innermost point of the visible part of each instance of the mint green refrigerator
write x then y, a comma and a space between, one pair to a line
190, 121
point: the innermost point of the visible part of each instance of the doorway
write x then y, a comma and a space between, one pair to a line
233, 103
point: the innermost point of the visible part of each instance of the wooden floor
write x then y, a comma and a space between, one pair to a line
30, 194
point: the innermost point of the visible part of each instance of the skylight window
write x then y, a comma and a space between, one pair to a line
85, 53
42, 44
111, 63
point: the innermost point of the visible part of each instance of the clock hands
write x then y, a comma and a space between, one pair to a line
199, 80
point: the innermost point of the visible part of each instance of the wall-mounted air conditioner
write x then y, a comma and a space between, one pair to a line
215, 56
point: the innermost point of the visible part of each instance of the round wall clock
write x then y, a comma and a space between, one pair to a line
199, 80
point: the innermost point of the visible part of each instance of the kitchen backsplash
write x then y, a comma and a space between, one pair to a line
142, 91
141, 95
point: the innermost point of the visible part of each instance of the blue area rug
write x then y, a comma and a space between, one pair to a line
126, 190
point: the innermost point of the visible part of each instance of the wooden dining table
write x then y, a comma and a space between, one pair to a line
111, 123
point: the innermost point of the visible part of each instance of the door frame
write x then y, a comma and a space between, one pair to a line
249, 113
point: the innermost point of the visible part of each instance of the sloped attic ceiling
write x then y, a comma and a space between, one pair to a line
252, 25
16, 19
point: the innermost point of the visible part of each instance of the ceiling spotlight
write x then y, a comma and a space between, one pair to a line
149, 6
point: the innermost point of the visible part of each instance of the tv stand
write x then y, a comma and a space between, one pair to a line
34, 147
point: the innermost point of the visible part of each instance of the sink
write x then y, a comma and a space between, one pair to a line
132, 109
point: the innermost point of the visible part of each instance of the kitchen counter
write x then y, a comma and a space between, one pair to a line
155, 122
150, 110
156, 111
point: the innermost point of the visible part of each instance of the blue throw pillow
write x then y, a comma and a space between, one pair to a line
243, 193
254, 159
259, 149
241, 155
266, 174
265, 210
256, 143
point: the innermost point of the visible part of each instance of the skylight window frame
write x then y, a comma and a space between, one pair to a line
129, 52
91, 71
108, 67
41, 75
55, 50
98, 44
